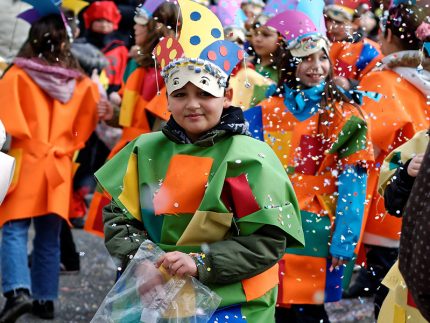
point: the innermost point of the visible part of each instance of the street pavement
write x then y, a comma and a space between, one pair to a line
81, 294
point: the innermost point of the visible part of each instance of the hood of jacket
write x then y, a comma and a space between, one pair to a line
232, 123
412, 66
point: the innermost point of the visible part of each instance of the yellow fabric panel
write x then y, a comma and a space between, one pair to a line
127, 108
130, 195
206, 227
399, 314
417, 144
395, 307
281, 145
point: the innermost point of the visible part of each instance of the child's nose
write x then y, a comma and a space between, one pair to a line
193, 102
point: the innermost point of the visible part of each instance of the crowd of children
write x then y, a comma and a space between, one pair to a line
250, 152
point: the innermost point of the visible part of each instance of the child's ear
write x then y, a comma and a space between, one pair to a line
228, 97
389, 37
356, 23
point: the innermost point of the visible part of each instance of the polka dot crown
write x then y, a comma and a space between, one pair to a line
201, 47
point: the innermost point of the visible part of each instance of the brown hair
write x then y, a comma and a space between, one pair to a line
331, 94
162, 24
403, 20
276, 56
48, 41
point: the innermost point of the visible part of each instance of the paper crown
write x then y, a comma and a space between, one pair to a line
201, 55
258, 3
41, 8
144, 12
102, 10
343, 10
302, 27
230, 13
75, 5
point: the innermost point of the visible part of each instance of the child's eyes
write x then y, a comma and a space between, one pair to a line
175, 82
204, 93
178, 94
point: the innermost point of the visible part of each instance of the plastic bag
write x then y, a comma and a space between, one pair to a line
148, 294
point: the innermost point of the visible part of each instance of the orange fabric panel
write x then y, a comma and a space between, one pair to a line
158, 106
303, 280
259, 285
307, 187
128, 134
283, 122
94, 221
401, 112
379, 222
48, 138
345, 55
184, 185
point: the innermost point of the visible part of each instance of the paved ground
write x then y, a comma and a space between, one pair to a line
81, 294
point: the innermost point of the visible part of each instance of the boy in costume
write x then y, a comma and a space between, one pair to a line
217, 201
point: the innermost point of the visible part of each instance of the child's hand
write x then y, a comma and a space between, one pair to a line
104, 109
115, 98
178, 263
415, 165
336, 262
148, 277
342, 82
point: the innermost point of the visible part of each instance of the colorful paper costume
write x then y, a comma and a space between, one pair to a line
187, 195
351, 59
343, 10
249, 87
186, 211
52, 133
402, 111
400, 156
354, 60
313, 166
318, 149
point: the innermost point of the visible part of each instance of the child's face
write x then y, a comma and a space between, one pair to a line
102, 26
339, 31
251, 11
195, 110
140, 34
264, 41
313, 69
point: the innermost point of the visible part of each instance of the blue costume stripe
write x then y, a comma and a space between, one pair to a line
254, 116
229, 314
368, 53
349, 211
333, 283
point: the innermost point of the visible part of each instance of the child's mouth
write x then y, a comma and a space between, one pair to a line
194, 116
315, 77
